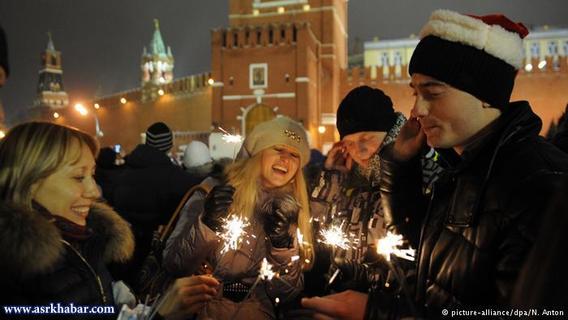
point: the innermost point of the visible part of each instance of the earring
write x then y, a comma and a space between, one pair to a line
485, 105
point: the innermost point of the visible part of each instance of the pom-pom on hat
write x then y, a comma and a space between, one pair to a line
365, 109
476, 54
278, 131
159, 136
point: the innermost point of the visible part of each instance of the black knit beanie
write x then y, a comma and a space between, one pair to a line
365, 109
159, 136
476, 54
4, 52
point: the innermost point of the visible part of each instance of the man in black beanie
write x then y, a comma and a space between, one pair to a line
482, 218
346, 193
147, 192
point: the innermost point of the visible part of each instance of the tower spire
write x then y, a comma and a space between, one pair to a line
50, 90
157, 45
157, 65
50, 46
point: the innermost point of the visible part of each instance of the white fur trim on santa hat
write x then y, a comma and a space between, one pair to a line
493, 39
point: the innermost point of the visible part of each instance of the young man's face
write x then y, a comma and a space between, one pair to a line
449, 117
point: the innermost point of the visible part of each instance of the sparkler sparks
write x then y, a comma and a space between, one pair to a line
391, 244
335, 237
265, 271
230, 138
232, 232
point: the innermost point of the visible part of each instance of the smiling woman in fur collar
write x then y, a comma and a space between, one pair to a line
55, 237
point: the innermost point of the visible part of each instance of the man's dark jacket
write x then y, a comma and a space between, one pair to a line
146, 194
483, 214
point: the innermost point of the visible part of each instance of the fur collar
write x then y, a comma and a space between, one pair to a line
31, 244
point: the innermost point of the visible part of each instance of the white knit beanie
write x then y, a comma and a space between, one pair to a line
196, 154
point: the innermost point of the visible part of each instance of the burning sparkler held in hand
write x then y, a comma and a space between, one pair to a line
232, 232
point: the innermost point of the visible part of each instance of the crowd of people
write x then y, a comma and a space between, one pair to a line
466, 180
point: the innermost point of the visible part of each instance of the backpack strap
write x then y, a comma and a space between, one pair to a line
167, 230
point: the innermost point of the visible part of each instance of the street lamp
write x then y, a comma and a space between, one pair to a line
83, 111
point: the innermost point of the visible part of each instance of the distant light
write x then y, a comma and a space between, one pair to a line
56, 115
542, 64
281, 9
321, 129
306, 7
81, 109
255, 12
123, 100
2, 134
97, 106
528, 67
211, 81
161, 92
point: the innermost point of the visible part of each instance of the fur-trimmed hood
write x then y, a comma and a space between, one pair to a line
32, 244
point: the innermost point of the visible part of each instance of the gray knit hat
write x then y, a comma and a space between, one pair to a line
278, 131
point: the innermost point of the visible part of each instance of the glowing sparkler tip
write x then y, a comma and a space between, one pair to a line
391, 244
335, 237
265, 271
232, 232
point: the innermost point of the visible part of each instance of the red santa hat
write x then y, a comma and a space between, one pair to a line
476, 54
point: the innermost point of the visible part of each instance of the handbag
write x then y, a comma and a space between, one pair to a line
153, 279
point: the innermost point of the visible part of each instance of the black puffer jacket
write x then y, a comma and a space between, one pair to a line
483, 214
40, 266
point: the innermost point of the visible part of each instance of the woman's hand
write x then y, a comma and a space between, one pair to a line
187, 296
217, 205
280, 217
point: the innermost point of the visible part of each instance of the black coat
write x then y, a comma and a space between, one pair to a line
40, 266
146, 193
150, 187
483, 214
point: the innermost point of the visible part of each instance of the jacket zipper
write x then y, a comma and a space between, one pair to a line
99, 282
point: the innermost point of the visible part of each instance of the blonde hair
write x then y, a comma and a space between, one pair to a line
33, 151
244, 176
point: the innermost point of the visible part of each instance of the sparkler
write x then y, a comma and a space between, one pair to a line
335, 237
264, 273
300, 238
232, 232
236, 139
388, 246
391, 244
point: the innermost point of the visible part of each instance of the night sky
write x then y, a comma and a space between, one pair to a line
101, 41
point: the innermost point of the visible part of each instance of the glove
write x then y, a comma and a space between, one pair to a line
352, 275
281, 216
216, 206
